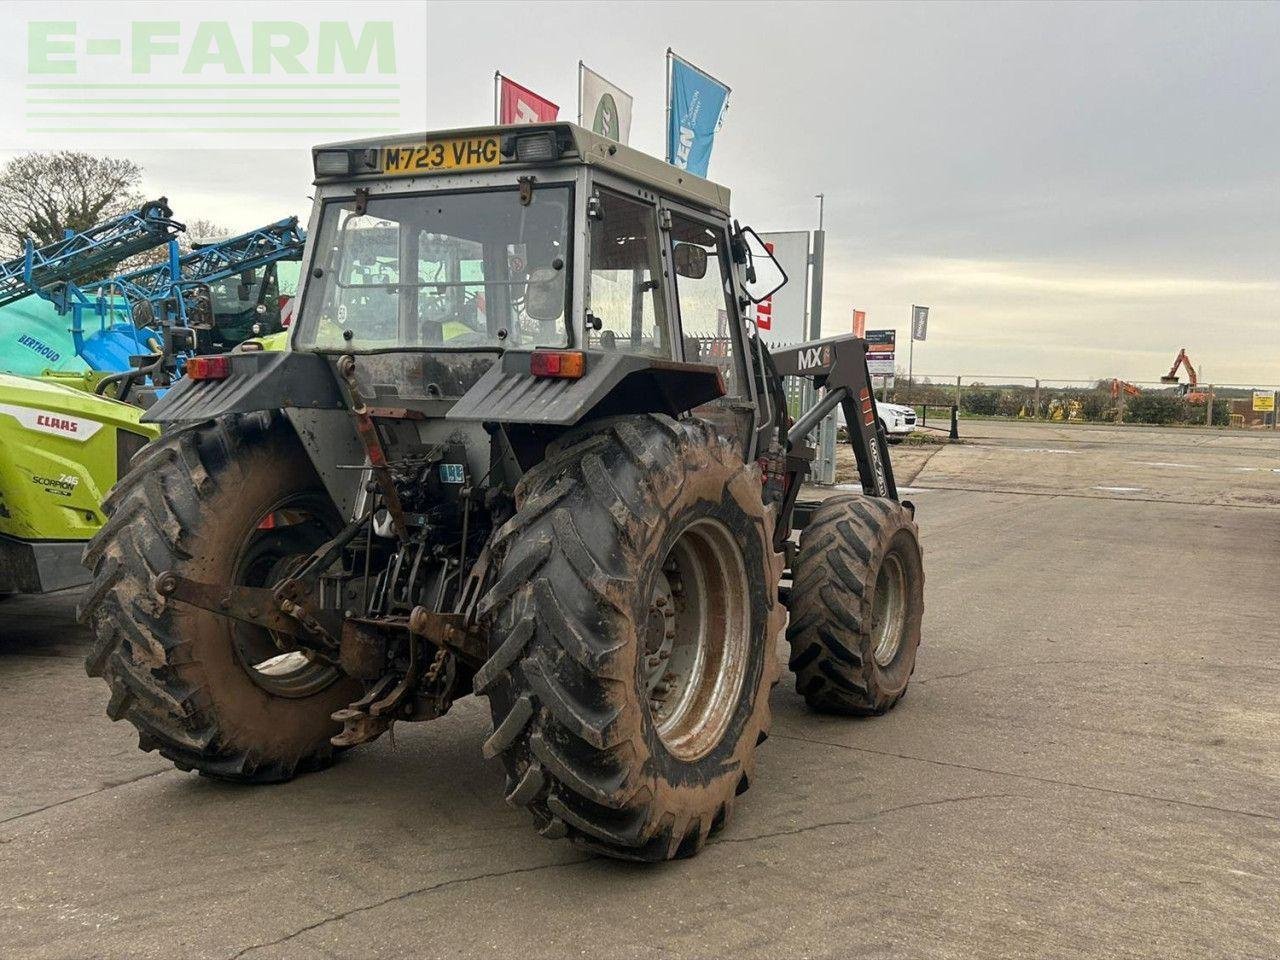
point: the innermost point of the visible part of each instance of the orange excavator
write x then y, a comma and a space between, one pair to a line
1189, 390
1119, 388
1129, 389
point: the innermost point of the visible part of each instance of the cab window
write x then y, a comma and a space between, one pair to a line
704, 293
627, 311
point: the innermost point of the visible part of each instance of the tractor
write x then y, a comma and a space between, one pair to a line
523, 443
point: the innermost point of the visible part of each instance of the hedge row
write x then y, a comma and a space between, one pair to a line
1080, 404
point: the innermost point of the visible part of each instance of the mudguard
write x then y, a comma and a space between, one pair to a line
259, 380
612, 384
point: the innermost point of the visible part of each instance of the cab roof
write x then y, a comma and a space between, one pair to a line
579, 146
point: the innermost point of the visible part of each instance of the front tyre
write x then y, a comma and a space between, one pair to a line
633, 622
857, 601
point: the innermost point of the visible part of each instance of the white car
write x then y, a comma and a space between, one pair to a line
898, 420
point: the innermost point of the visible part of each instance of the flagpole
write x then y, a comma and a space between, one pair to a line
911, 352
666, 134
580, 93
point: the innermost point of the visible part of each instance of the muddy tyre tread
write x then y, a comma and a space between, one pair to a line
135, 649
567, 756
830, 613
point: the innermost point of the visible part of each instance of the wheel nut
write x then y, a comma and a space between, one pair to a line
661, 601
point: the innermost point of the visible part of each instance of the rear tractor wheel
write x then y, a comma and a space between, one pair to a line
633, 625
230, 501
857, 600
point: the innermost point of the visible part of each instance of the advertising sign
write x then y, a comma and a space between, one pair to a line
517, 104
602, 107
1264, 401
782, 318
880, 352
696, 103
919, 322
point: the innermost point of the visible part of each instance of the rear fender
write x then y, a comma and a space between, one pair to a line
613, 384
259, 380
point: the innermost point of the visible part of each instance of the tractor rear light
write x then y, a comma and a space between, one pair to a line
565, 364
209, 368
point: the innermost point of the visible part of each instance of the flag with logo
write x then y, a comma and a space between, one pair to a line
919, 322
517, 104
696, 103
602, 107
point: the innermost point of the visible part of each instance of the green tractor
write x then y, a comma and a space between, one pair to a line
523, 444
61, 450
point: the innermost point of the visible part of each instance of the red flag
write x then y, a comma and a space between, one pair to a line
859, 323
517, 104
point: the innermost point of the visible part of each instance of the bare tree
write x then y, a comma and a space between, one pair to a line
44, 194
201, 230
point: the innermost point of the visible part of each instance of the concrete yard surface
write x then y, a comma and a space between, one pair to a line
1087, 764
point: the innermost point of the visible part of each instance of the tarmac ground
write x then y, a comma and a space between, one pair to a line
1087, 764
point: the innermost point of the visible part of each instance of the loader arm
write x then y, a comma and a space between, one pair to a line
840, 365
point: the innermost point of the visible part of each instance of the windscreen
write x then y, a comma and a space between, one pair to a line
451, 270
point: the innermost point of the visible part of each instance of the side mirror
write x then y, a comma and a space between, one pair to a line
691, 260
544, 297
764, 274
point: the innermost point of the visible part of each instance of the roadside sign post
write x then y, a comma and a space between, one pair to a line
1264, 402
880, 357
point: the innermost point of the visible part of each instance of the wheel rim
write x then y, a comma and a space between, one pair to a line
279, 542
697, 640
889, 609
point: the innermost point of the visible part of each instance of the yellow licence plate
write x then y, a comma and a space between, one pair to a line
462, 153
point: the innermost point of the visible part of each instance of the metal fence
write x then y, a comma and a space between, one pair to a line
1109, 400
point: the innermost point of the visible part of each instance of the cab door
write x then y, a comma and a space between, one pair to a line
708, 322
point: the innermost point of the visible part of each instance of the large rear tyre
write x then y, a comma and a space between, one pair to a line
856, 604
234, 500
633, 625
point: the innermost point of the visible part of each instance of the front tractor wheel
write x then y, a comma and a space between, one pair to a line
231, 501
857, 600
633, 624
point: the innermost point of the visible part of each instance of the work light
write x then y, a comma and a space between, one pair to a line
332, 163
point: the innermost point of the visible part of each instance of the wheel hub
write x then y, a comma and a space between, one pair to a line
888, 610
659, 637
697, 640
281, 542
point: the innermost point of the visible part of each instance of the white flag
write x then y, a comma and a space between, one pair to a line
602, 107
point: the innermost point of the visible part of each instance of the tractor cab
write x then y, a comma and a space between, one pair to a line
547, 245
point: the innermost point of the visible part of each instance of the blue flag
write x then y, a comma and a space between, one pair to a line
697, 103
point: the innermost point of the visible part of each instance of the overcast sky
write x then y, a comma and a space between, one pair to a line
1076, 190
